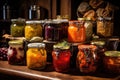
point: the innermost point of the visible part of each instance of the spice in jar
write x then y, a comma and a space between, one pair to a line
76, 31
105, 27
61, 57
16, 55
36, 56
33, 29
17, 27
87, 60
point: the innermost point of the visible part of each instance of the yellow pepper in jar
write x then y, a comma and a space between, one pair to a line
36, 56
33, 29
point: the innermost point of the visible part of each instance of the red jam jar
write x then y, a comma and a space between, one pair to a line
87, 58
61, 58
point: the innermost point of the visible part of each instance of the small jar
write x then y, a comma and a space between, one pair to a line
76, 31
17, 27
61, 58
87, 59
105, 27
16, 55
36, 56
33, 29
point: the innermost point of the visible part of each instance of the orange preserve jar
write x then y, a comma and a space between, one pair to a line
36, 56
61, 57
87, 60
76, 31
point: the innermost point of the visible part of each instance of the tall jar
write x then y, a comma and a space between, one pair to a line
16, 55
88, 28
33, 29
17, 27
61, 57
36, 56
105, 27
87, 59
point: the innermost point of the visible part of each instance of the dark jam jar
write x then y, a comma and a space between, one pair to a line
53, 30
61, 58
87, 58
15, 53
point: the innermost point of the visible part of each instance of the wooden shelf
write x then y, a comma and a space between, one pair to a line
50, 74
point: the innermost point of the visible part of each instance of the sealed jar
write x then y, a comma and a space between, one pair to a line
61, 57
112, 62
16, 55
36, 56
53, 31
33, 29
76, 31
17, 27
87, 60
88, 28
105, 27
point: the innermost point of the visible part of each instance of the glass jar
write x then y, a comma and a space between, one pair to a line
17, 27
87, 60
16, 55
88, 28
53, 31
34, 12
36, 56
61, 58
105, 27
76, 31
33, 29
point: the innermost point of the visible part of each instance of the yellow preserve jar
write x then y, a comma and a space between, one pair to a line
33, 29
36, 56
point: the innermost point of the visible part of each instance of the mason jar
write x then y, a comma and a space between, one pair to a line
17, 27
53, 30
16, 55
87, 59
76, 31
61, 56
36, 56
33, 29
105, 27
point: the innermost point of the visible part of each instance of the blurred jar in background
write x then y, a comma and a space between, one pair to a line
17, 27
36, 56
33, 29
6, 12
76, 31
34, 12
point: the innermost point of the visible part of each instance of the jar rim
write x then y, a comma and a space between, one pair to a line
112, 53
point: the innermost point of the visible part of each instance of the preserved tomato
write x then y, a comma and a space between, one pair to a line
61, 58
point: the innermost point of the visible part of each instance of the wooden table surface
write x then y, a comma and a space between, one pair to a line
50, 74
